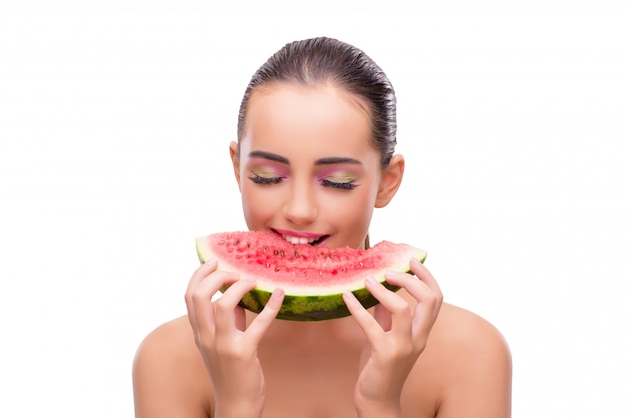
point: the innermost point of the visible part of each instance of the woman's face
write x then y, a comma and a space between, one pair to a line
306, 167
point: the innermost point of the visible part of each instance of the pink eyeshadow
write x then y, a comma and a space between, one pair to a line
335, 172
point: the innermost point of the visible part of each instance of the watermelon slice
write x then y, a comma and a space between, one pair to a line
313, 278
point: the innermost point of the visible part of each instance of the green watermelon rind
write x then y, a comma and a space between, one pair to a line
315, 307
310, 308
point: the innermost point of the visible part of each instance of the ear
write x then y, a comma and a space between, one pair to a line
234, 157
390, 181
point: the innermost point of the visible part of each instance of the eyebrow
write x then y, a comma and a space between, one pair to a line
322, 161
337, 160
268, 156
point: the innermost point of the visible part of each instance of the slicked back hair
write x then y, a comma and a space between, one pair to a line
317, 61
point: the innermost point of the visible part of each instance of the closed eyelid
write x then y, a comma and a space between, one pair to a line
268, 169
263, 171
342, 174
340, 178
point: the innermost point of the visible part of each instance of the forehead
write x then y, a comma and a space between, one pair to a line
318, 120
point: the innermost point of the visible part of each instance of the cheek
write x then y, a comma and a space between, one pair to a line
355, 209
258, 206
351, 219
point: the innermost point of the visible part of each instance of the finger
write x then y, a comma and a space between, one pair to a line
424, 274
261, 323
382, 316
225, 306
201, 300
372, 330
423, 321
427, 294
421, 290
240, 318
200, 274
399, 309
427, 278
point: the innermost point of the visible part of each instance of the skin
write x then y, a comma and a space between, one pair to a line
410, 356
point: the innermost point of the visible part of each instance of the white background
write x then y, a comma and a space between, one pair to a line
115, 118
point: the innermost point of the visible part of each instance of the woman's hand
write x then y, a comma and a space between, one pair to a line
228, 349
396, 336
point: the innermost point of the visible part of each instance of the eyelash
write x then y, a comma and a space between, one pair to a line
342, 186
324, 182
265, 180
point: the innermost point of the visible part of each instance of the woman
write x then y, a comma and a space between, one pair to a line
314, 157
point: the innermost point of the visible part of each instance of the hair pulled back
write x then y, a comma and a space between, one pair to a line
313, 62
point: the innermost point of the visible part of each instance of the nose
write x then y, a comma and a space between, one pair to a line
300, 207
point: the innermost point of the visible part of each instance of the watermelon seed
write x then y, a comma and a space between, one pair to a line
277, 268
275, 252
296, 254
282, 254
361, 263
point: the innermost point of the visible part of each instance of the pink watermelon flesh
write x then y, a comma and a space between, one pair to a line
313, 278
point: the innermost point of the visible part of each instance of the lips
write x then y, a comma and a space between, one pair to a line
296, 237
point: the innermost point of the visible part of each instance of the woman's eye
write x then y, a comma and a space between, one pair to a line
348, 185
265, 180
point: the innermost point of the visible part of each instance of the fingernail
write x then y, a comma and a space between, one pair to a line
370, 280
348, 295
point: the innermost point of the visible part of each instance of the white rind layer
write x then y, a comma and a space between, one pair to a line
401, 264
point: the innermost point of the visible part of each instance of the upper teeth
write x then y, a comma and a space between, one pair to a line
298, 240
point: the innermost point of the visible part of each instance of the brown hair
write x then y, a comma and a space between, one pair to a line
315, 61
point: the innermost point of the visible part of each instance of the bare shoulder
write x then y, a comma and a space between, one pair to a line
460, 327
474, 365
169, 378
